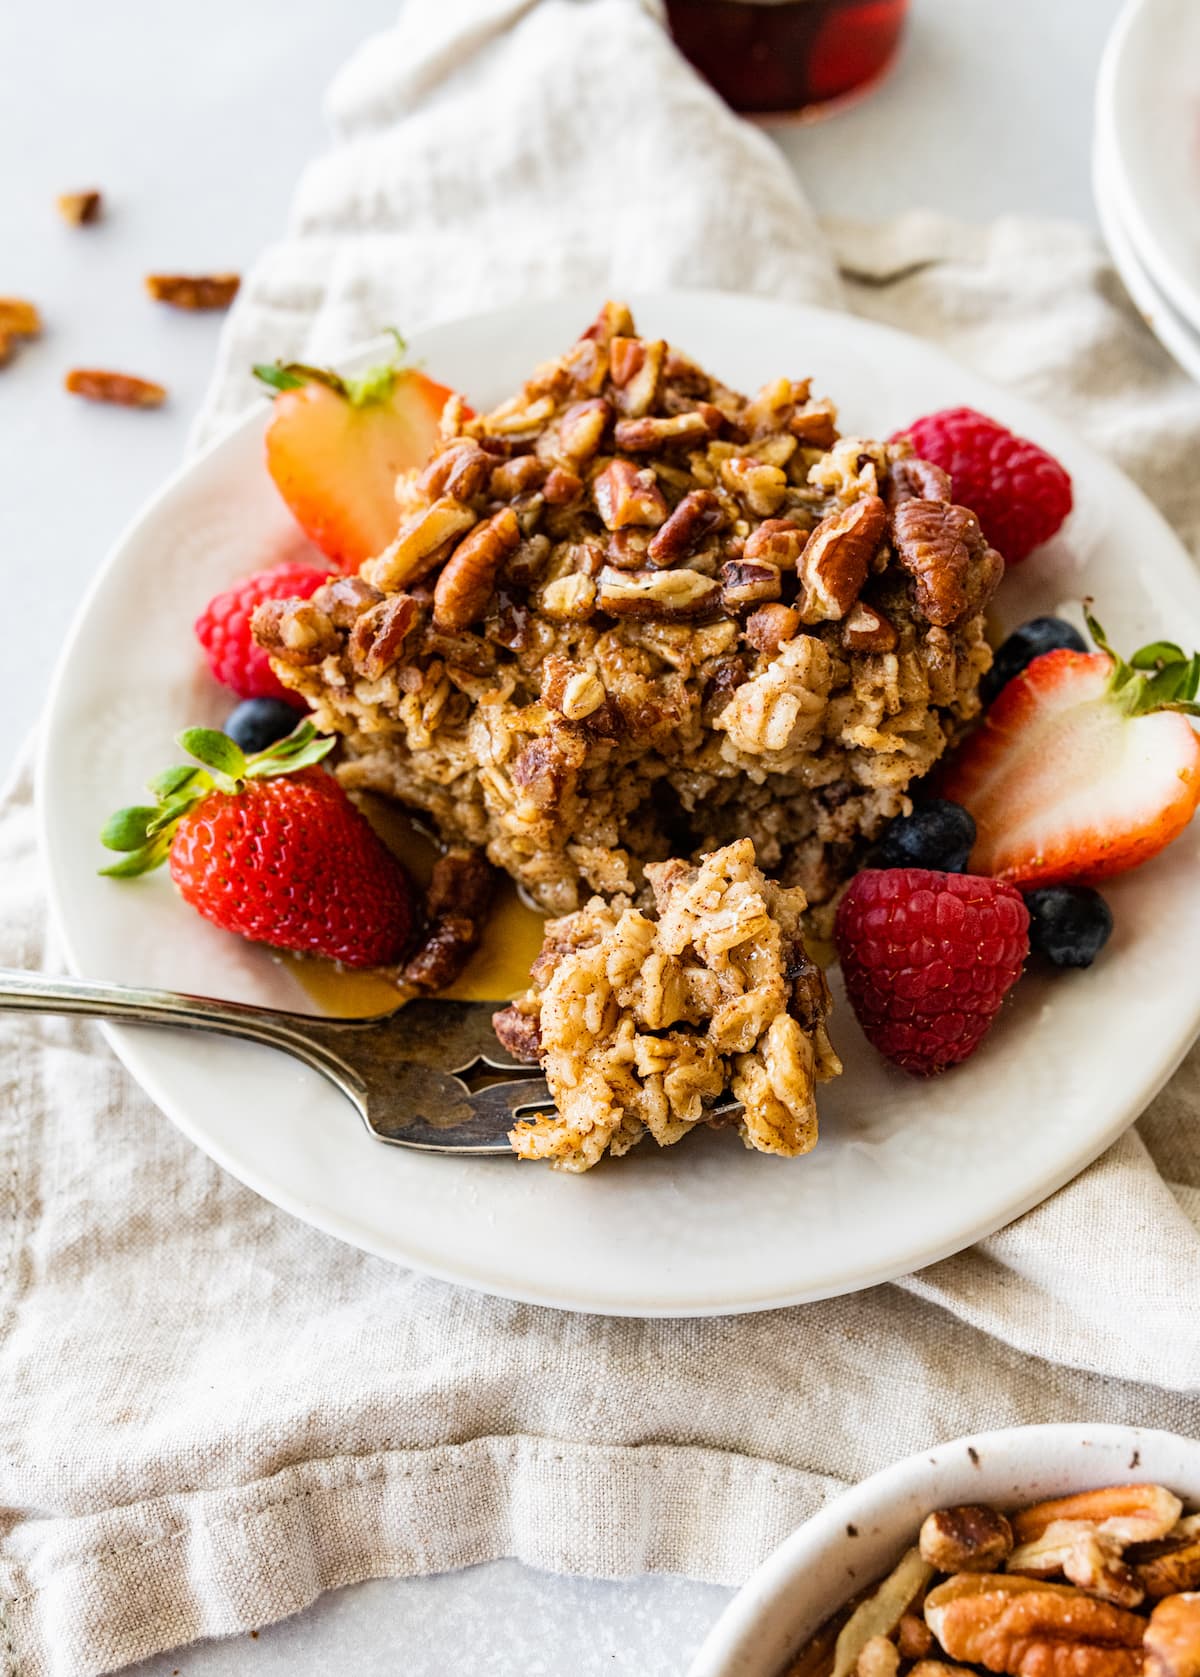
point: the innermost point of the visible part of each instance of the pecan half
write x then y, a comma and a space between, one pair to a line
378, 635
626, 495
465, 584
193, 291
581, 430
915, 480
684, 430
695, 518
867, 630
568, 599
79, 209
815, 424
744, 583
418, 546
614, 320
1026, 1628
777, 541
837, 558
1128, 1513
1173, 1638
513, 477
97, 384
669, 596
1081, 1552
943, 550
769, 626
561, 488
627, 550
19, 318
969, 1538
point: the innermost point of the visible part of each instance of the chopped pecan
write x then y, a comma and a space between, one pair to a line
866, 630
729, 675
562, 487
513, 477
777, 541
944, 551
295, 631
1173, 1637
669, 596
465, 584
419, 545
343, 599
526, 564
914, 479
456, 909
815, 425
640, 435
518, 417
568, 599
1127, 1513
744, 583
97, 384
1171, 1564
837, 558
969, 1538
1027, 1628
761, 487
378, 636
520, 1033
79, 209
581, 430
628, 549
696, 516
543, 769
193, 291
771, 625
19, 318
614, 320
626, 495
461, 469
574, 692
636, 368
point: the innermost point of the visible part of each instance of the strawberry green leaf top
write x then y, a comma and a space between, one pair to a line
1160, 676
144, 831
335, 447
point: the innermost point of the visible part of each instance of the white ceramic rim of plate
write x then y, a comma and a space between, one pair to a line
919, 1251
1172, 281
1179, 339
1022, 1456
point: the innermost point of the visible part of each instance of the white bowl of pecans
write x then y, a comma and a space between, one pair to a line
1052, 1551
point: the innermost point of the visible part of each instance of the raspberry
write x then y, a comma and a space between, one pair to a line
927, 959
1019, 493
223, 629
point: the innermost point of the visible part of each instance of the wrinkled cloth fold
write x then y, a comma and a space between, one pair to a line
213, 1413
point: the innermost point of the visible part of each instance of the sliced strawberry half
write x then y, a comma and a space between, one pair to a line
1085, 766
335, 447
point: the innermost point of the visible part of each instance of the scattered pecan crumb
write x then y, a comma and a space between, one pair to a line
99, 385
193, 291
456, 910
19, 318
79, 209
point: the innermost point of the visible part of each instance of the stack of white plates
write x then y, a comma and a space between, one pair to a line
1146, 166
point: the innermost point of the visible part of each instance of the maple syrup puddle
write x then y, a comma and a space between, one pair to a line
497, 971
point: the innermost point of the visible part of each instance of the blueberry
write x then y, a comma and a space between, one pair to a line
937, 834
1068, 924
258, 723
1040, 634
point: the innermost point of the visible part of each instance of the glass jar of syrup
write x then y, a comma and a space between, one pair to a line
788, 57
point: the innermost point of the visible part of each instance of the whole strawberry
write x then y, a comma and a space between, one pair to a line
223, 629
927, 959
1019, 493
270, 847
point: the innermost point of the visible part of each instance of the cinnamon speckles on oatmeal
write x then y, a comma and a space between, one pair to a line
750, 646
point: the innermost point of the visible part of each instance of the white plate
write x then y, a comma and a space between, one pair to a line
1148, 115
1181, 341
905, 1171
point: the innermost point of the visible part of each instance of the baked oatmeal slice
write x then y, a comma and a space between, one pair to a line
642, 1020
631, 613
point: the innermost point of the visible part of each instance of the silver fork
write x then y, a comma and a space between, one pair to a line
406, 1073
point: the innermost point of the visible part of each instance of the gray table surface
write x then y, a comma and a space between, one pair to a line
196, 122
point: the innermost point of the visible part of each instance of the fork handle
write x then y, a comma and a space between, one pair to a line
39, 992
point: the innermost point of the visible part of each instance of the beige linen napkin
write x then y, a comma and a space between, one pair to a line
210, 1413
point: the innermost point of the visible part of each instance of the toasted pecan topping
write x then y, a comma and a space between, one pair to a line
865, 629
771, 625
684, 430
777, 541
744, 583
627, 494
378, 636
1173, 1563
672, 596
297, 632
460, 470
19, 318
581, 430
456, 910
465, 584
943, 550
837, 558
1129, 1513
914, 479
1173, 1637
419, 546
761, 487
697, 516
1026, 1628
193, 291
519, 1033
97, 384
